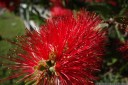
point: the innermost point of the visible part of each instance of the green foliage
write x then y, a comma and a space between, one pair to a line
10, 27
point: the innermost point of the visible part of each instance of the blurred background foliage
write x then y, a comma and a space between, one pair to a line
14, 19
10, 27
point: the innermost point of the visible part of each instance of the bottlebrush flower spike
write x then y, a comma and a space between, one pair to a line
66, 51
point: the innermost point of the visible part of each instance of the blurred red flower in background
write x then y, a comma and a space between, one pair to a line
9, 4
58, 9
57, 2
66, 51
124, 50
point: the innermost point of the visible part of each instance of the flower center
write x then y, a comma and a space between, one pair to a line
46, 66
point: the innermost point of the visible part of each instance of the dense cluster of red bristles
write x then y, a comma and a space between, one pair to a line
66, 51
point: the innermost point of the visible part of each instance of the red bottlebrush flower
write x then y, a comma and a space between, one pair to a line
9, 4
60, 11
124, 50
66, 51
